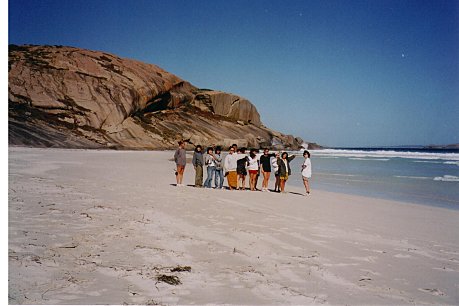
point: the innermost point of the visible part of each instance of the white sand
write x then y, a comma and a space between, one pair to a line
98, 227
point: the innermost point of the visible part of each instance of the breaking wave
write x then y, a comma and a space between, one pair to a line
428, 161
372, 159
450, 157
413, 177
447, 178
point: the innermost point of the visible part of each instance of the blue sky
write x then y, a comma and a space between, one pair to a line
340, 73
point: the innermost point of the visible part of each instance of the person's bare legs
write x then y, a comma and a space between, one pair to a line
253, 178
265, 180
306, 185
282, 185
179, 176
241, 182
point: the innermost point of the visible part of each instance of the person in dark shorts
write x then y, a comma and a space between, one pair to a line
265, 163
241, 169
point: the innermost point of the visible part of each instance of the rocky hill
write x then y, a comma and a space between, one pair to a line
74, 98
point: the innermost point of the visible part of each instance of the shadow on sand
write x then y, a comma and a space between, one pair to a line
226, 188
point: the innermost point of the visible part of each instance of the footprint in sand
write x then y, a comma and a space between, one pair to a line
98, 208
445, 269
432, 291
366, 258
402, 256
340, 264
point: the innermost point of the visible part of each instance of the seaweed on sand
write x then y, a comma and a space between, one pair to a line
181, 269
169, 279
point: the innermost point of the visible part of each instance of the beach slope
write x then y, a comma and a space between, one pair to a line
110, 227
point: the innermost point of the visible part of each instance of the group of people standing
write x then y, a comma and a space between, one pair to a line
237, 165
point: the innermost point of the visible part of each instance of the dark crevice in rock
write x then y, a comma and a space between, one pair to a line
37, 59
105, 58
91, 75
20, 98
108, 65
71, 104
234, 102
205, 99
158, 103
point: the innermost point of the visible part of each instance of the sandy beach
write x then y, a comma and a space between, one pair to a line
111, 227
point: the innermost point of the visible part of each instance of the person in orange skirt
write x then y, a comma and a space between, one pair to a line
230, 166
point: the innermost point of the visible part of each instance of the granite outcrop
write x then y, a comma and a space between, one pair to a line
75, 98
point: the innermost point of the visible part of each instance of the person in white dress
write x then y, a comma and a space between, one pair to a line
306, 171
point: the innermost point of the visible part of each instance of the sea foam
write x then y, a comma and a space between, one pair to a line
413, 177
451, 157
371, 159
447, 178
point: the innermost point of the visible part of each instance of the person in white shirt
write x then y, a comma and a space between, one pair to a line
218, 168
253, 167
306, 171
230, 166
209, 160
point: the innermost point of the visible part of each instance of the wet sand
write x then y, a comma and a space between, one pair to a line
108, 227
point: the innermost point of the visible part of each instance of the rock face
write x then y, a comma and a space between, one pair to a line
227, 105
69, 97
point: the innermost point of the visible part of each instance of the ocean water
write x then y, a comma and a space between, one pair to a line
429, 177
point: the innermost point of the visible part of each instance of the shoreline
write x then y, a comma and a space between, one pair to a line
452, 205
90, 227
445, 203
